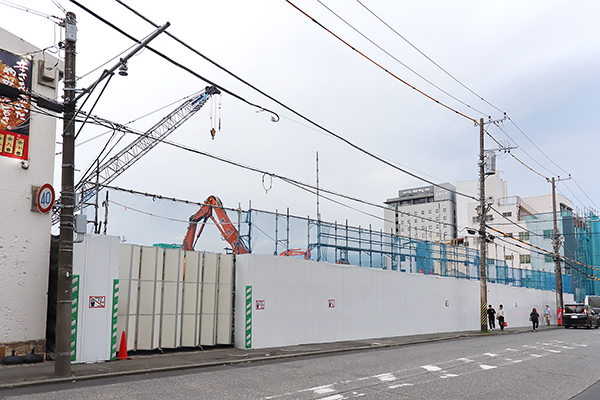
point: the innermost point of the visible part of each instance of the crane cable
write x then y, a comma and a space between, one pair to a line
381, 67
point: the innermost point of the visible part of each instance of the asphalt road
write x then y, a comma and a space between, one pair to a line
553, 364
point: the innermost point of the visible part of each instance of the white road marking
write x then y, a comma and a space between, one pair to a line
431, 368
400, 385
536, 355
320, 389
464, 359
567, 347
490, 354
486, 367
334, 397
448, 376
518, 361
509, 349
552, 351
385, 377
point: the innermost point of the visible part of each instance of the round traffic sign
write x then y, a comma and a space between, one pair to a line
45, 198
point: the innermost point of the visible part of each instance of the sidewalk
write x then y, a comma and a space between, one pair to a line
16, 376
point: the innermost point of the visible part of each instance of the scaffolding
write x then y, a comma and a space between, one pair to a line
284, 234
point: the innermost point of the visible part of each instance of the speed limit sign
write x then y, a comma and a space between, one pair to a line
45, 198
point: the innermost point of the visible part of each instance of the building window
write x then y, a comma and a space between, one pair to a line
507, 214
524, 258
415, 220
437, 227
415, 213
508, 257
445, 218
429, 226
548, 233
402, 222
444, 209
548, 258
437, 218
524, 236
422, 212
437, 210
429, 211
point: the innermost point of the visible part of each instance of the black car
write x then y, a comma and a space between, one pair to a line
575, 315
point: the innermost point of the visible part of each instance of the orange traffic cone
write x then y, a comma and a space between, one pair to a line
123, 349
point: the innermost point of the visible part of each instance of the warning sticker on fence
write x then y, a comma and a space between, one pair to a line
260, 304
331, 303
97, 301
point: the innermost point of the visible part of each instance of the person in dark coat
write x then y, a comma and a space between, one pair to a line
491, 317
534, 317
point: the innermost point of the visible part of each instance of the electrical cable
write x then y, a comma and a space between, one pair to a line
94, 105
339, 137
19, 7
274, 118
398, 61
380, 66
427, 57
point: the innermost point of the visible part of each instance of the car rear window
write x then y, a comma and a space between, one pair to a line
574, 309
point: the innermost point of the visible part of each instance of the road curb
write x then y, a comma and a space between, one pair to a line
140, 371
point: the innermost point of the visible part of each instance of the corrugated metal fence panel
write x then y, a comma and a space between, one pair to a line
190, 322
225, 300
208, 323
170, 327
129, 273
170, 299
150, 298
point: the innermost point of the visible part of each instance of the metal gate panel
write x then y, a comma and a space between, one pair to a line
208, 323
129, 274
225, 300
191, 295
170, 321
148, 329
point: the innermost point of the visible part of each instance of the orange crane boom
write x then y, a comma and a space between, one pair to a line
212, 205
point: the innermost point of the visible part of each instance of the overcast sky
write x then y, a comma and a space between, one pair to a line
536, 60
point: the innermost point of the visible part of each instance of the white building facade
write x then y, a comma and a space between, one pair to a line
26, 162
426, 213
507, 215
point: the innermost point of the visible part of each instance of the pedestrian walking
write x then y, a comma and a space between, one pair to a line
534, 317
500, 316
547, 315
492, 317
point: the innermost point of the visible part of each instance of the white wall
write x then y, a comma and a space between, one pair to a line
25, 234
369, 303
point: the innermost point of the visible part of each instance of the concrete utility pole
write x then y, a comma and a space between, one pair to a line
482, 235
62, 365
556, 248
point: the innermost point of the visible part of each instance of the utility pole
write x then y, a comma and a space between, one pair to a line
482, 235
556, 248
62, 365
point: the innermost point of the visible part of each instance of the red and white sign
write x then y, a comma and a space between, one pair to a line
97, 301
331, 303
260, 304
447, 303
45, 198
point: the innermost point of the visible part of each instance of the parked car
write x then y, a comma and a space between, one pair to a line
575, 315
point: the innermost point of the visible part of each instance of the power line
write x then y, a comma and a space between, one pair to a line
275, 117
380, 66
339, 137
398, 61
427, 57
